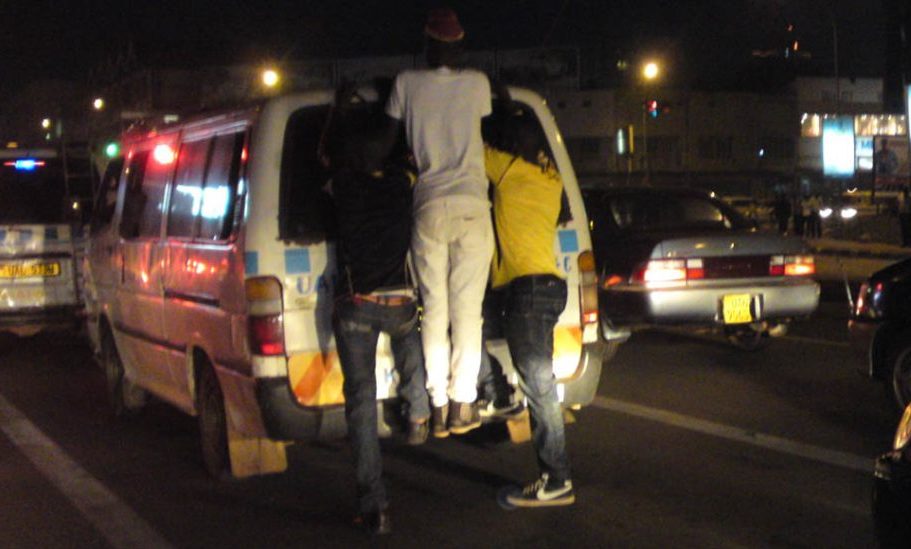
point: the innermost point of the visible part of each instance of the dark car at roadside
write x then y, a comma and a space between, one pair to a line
680, 257
880, 328
892, 489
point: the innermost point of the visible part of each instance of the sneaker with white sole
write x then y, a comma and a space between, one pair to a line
544, 492
490, 410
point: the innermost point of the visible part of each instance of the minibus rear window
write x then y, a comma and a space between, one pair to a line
305, 208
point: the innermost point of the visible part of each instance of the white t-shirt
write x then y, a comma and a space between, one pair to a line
442, 110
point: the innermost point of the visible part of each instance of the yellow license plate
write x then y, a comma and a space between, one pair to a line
29, 270
737, 309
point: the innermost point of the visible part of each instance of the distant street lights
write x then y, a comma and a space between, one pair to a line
98, 103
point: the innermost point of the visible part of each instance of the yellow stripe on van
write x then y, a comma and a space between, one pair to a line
316, 378
567, 350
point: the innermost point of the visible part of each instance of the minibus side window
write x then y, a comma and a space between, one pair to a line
107, 196
154, 182
187, 193
135, 198
220, 188
305, 208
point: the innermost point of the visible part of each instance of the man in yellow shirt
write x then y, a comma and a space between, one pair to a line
531, 292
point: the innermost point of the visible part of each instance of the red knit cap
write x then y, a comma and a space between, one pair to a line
443, 25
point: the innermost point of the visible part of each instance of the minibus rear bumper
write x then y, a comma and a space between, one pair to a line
285, 419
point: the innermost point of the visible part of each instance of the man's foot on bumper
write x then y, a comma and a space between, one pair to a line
544, 492
441, 421
463, 417
489, 410
375, 523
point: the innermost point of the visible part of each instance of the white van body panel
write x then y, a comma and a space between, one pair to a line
174, 304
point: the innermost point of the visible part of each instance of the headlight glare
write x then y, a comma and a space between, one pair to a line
903, 433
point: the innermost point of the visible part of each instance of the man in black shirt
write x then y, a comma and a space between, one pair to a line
373, 210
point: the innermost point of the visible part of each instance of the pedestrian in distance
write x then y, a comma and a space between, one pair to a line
440, 109
373, 205
904, 215
531, 292
782, 210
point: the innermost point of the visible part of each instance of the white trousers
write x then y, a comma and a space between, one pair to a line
452, 253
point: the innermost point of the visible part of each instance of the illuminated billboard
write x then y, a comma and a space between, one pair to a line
838, 146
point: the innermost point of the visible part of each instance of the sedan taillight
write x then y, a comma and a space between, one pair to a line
792, 265
659, 273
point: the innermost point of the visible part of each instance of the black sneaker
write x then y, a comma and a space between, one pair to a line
440, 421
376, 523
544, 492
464, 417
417, 432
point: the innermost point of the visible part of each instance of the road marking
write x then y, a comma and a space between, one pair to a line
119, 524
770, 442
816, 341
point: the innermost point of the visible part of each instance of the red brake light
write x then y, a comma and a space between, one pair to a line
670, 272
588, 291
792, 265
266, 330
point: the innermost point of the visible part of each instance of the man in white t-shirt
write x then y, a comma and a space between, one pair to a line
452, 244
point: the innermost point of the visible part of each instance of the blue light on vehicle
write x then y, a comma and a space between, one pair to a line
25, 164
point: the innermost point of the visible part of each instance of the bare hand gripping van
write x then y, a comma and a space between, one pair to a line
210, 281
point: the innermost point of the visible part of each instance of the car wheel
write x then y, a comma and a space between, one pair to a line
213, 431
900, 363
746, 338
123, 396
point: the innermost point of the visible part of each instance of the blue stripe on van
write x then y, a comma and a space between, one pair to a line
297, 261
569, 241
251, 263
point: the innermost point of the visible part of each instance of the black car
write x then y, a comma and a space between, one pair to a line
880, 328
681, 257
892, 489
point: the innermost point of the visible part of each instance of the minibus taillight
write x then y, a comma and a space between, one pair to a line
265, 323
588, 289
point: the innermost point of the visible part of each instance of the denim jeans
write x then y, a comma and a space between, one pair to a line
357, 327
492, 383
531, 308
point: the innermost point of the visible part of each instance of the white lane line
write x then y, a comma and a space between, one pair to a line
119, 524
816, 341
745, 436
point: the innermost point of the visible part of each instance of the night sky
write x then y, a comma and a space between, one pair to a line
42, 39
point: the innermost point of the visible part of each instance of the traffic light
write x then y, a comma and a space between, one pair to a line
112, 149
654, 107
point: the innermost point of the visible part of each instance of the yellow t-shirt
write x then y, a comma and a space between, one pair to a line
526, 206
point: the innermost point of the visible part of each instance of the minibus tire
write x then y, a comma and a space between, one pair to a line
113, 375
213, 431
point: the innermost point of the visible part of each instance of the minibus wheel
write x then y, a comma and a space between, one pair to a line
123, 396
213, 432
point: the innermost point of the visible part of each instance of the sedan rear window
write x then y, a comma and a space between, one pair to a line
665, 211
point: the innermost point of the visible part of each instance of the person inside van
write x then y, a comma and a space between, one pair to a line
530, 292
440, 109
373, 204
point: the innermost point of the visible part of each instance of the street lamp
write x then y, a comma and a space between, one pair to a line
270, 78
46, 123
98, 103
650, 72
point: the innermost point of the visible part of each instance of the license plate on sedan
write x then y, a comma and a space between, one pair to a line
737, 308
29, 270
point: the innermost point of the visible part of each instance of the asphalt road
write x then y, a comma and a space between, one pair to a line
690, 443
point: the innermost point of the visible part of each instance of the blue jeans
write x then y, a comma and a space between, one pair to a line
357, 327
529, 309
